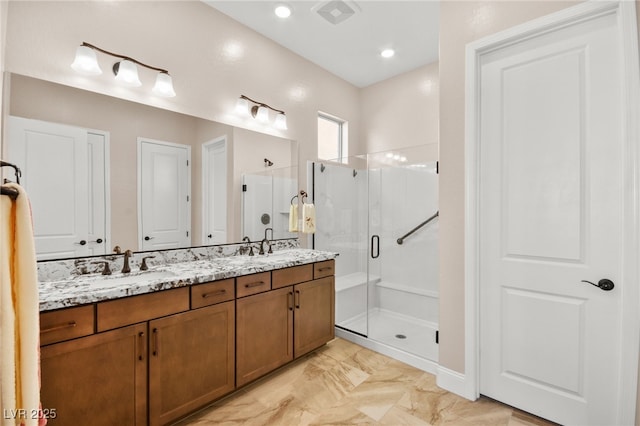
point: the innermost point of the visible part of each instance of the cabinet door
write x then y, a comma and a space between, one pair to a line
314, 314
264, 338
97, 380
191, 361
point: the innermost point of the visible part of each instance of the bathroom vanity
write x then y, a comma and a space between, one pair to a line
193, 332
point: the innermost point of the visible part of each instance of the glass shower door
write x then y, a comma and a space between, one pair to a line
402, 271
340, 194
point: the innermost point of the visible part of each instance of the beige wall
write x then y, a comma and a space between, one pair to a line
212, 59
4, 8
402, 111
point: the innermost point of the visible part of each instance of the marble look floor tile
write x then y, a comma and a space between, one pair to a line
342, 416
345, 384
399, 417
368, 361
484, 411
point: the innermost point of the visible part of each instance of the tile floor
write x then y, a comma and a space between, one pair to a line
345, 384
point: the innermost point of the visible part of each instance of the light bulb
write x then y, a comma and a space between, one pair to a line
127, 73
242, 106
263, 114
164, 86
86, 61
281, 122
387, 53
283, 11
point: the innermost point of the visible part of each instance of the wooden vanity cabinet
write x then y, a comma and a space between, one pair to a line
264, 333
154, 358
191, 361
314, 318
98, 380
274, 327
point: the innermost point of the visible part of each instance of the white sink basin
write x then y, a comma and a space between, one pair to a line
123, 279
275, 257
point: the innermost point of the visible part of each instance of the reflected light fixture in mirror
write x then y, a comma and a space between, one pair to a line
126, 70
260, 111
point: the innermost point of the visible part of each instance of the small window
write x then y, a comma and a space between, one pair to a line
332, 139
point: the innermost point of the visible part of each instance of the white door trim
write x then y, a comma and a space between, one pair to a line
107, 186
205, 188
468, 385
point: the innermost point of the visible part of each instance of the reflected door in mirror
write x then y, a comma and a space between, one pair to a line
164, 215
214, 184
64, 176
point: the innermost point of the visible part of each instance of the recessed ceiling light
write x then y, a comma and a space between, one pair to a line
283, 11
387, 53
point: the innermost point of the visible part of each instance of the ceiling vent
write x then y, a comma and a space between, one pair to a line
336, 11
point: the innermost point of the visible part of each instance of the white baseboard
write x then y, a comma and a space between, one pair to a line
455, 382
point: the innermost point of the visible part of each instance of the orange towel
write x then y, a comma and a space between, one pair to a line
19, 312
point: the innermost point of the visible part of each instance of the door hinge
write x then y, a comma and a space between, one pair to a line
244, 188
187, 198
187, 163
437, 337
187, 233
437, 167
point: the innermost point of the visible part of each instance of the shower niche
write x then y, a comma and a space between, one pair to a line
380, 212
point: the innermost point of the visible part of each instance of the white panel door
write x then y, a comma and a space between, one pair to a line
165, 207
214, 184
551, 209
53, 159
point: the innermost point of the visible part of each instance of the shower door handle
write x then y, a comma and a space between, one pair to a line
375, 246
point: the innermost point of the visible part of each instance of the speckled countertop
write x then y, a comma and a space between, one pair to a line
91, 288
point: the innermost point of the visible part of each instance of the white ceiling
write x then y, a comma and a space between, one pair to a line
350, 49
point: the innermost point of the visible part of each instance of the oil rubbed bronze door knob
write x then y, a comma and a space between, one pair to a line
604, 284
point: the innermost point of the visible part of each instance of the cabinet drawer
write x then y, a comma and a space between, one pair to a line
293, 275
324, 269
212, 293
66, 324
252, 284
131, 310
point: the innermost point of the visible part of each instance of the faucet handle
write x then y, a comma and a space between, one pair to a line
144, 266
106, 270
117, 250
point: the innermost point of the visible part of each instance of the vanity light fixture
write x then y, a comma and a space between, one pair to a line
126, 70
260, 111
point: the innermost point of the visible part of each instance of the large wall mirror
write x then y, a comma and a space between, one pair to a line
131, 161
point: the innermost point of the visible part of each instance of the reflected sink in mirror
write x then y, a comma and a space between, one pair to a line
127, 279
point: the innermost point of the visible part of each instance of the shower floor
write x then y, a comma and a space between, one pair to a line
402, 332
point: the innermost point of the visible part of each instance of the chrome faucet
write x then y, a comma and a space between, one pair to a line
266, 240
125, 267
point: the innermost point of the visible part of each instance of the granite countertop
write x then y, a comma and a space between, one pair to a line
91, 288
